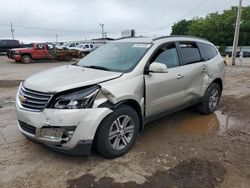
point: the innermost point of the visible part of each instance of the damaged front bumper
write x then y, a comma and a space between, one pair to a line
69, 131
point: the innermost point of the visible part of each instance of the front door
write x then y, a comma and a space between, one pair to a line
40, 52
165, 91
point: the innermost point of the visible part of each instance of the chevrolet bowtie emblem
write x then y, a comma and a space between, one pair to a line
22, 98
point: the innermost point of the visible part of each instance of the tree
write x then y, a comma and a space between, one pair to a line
181, 28
217, 28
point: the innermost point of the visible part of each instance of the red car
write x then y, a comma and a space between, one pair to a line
38, 51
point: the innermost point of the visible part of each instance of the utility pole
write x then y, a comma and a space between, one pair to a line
102, 26
12, 30
236, 34
56, 38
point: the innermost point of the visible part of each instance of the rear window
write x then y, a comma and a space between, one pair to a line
190, 53
207, 51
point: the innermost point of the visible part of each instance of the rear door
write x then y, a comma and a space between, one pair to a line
214, 66
164, 91
193, 70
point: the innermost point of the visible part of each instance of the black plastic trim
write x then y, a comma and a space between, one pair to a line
171, 111
186, 36
82, 148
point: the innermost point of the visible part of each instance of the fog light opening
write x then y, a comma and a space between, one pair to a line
59, 135
67, 135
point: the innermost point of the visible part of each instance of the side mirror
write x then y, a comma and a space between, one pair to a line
158, 68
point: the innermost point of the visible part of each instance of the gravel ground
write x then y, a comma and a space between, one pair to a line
185, 149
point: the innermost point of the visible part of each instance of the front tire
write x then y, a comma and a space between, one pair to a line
211, 99
117, 132
26, 59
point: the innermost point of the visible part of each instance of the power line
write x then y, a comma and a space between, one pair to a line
72, 31
49, 29
107, 11
185, 15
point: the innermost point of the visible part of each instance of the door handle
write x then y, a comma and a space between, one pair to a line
180, 76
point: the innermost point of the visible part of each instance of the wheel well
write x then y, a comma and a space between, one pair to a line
219, 82
130, 102
27, 54
137, 108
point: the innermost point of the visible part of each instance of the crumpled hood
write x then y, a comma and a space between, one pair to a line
67, 77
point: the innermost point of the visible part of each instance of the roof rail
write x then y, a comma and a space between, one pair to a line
130, 37
187, 36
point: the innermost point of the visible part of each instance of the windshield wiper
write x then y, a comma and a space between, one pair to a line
97, 67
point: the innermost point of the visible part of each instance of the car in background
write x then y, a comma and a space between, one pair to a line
59, 44
8, 44
68, 45
42, 51
245, 53
85, 49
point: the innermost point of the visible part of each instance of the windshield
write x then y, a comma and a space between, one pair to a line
119, 57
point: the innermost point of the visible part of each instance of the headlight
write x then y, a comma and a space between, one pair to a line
78, 99
17, 53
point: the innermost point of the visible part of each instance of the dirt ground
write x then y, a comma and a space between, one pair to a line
11, 70
185, 149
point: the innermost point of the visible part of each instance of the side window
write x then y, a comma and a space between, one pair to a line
167, 54
207, 51
50, 46
190, 53
3, 43
40, 46
72, 45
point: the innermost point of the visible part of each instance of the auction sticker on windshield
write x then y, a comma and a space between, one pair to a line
141, 45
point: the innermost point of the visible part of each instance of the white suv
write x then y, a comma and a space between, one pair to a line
107, 97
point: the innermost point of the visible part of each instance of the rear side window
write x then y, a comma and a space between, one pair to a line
3, 43
190, 53
207, 51
167, 54
13, 42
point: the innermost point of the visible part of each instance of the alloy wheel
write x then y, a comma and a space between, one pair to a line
213, 99
121, 132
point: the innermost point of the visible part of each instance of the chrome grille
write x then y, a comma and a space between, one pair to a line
33, 100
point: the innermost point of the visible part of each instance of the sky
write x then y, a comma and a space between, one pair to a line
43, 20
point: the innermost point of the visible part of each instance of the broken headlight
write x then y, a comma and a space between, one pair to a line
77, 99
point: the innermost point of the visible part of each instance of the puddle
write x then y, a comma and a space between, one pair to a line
205, 124
193, 123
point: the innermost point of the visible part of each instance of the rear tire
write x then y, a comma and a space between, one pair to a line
211, 99
117, 132
26, 59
